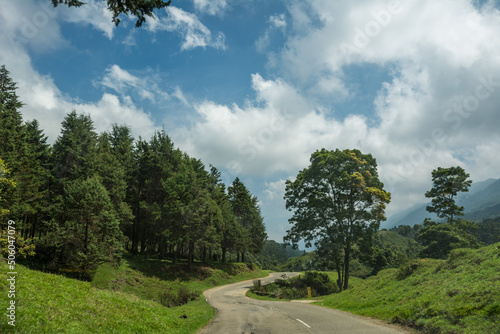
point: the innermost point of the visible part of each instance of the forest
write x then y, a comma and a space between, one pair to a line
89, 197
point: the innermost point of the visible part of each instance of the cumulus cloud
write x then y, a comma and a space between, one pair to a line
438, 108
194, 33
94, 13
39, 92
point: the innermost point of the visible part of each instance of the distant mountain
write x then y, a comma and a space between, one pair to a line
481, 202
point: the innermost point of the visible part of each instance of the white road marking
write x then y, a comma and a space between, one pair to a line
303, 323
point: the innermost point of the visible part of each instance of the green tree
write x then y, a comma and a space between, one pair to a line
446, 184
13, 146
252, 234
112, 175
38, 170
226, 226
337, 202
439, 239
138, 8
91, 234
75, 150
7, 186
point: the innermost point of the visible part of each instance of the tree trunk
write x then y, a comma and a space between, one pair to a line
346, 265
190, 254
243, 256
224, 250
340, 272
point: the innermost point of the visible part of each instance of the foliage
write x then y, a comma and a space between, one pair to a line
456, 295
247, 212
138, 8
446, 184
296, 287
24, 248
439, 239
338, 202
89, 196
488, 231
390, 250
7, 186
91, 235
274, 255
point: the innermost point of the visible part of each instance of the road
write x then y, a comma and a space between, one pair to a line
239, 314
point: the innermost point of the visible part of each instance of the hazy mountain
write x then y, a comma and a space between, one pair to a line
481, 202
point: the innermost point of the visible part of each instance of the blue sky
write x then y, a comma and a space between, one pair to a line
254, 87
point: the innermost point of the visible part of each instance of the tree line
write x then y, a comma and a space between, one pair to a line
89, 197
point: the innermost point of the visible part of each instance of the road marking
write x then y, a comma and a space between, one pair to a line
303, 323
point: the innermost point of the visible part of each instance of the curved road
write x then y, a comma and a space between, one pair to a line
239, 314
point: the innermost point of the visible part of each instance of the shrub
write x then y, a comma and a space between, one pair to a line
319, 282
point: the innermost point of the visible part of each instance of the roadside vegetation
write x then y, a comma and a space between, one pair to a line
458, 295
139, 296
321, 284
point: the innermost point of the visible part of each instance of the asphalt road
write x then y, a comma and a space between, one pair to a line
239, 314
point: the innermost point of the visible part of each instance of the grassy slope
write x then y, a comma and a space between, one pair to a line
47, 303
458, 295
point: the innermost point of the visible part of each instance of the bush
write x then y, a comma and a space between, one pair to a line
296, 287
319, 282
171, 297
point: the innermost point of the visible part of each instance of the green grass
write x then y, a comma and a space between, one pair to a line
118, 300
458, 295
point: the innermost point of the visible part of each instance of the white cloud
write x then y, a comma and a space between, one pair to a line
211, 7
275, 190
93, 12
29, 25
194, 33
277, 21
146, 85
43, 99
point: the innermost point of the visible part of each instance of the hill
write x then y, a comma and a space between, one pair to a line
137, 297
481, 202
457, 295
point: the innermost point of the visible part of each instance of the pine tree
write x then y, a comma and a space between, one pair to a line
91, 234
112, 175
245, 207
38, 169
75, 150
15, 151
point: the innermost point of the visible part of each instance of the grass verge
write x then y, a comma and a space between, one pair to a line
458, 295
118, 300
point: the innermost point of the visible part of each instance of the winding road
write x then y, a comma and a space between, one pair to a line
239, 314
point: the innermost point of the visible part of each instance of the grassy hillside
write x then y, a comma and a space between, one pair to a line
458, 295
127, 299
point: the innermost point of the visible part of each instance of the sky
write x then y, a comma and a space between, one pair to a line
254, 87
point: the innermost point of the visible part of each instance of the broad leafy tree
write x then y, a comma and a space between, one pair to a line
337, 202
7, 186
